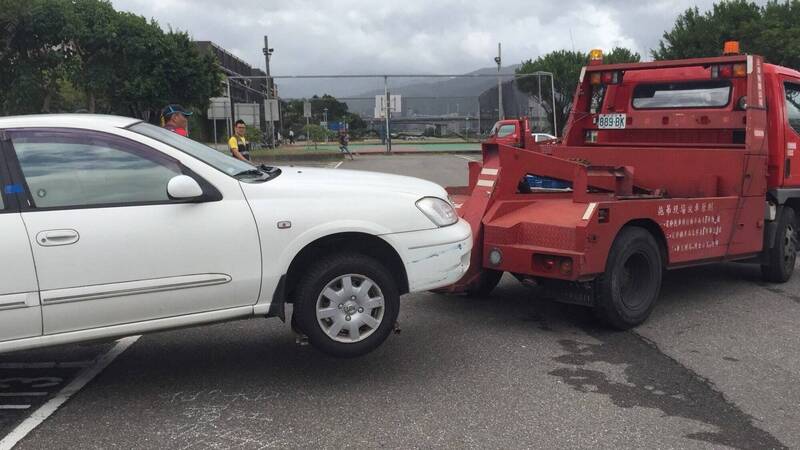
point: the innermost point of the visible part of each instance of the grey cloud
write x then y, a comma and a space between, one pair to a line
412, 36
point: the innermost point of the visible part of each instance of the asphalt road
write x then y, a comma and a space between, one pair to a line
717, 365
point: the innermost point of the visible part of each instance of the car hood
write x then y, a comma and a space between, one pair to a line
357, 180
313, 196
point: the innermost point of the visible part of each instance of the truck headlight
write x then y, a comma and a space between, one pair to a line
439, 211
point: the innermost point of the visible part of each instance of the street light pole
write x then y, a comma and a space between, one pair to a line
270, 124
325, 120
498, 60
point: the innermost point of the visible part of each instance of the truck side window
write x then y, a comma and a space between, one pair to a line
506, 130
793, 105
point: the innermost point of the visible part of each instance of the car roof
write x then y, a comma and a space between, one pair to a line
67, 120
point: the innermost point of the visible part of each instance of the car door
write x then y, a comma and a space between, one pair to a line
20, 311
111, 247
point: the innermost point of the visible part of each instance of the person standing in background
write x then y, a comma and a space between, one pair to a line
175, 118
237, 144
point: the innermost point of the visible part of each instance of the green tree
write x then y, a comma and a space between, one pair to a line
566, 67
36, 53
336, 110
697, 35
54, 53
95, 42
770, 30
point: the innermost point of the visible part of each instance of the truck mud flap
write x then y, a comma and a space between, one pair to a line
576, 293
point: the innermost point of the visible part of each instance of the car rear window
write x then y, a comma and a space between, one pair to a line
690, 94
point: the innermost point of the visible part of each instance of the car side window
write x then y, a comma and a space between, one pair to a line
506, 130
793, 105
76, 168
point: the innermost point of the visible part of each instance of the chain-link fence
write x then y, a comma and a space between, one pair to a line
381, 112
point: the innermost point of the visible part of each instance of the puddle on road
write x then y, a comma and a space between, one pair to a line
653, 380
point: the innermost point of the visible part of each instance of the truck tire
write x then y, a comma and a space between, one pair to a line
485, 284
782, 257
627, 292
347, 304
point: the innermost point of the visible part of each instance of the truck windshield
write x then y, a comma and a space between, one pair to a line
692, 94
208, 155
793, 105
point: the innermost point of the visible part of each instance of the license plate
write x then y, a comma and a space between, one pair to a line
611, 121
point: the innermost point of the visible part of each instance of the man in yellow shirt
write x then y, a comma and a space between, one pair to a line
238, 145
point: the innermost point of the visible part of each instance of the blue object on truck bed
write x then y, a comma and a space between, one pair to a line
535, 181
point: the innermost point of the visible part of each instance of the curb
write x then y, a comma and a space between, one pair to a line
341, 156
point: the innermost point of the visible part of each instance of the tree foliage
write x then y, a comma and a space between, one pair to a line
770, 30
337, 111
56, 53
566, 67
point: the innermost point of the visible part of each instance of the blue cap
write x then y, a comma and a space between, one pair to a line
174, 108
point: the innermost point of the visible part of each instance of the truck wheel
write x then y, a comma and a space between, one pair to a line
627, 291
347, 304
783, 255
486, 282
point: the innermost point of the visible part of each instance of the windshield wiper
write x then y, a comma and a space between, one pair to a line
263, 170
250, 172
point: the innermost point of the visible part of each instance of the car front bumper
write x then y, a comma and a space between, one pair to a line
434, 258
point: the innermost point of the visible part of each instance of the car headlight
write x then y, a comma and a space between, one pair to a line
439, 211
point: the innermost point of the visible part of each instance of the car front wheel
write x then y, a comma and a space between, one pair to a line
347, 304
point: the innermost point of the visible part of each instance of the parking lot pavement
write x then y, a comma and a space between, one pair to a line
717, 365
30, 379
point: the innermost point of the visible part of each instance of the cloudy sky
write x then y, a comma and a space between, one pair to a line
411, 36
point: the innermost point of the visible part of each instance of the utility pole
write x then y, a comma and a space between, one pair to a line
270, 123
498, 60
387, 113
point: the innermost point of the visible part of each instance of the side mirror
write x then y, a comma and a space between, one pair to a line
183, 187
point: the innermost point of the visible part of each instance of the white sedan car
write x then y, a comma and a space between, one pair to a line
111, 227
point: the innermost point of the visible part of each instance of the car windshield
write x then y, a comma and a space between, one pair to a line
208, 155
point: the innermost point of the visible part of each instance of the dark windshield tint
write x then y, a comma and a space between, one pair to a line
692, 94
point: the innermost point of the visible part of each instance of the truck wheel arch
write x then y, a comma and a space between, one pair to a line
655, 230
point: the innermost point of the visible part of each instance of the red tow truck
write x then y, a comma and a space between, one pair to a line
662, 165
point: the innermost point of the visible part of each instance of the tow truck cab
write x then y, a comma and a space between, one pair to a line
665, 164
511, 132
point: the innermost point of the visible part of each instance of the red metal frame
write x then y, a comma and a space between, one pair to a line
703, 197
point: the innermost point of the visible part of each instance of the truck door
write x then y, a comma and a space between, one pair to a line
20, 311
791, 127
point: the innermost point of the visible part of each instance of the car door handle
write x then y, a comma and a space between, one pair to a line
51, 238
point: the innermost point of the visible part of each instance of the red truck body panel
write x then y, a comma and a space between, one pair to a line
696, 177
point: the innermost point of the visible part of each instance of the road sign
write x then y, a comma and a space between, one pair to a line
306, 109
219, 108
271, 110
249, 112
380, 105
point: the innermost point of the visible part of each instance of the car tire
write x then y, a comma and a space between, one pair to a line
783, 256
485, 284
626, 292
341, 315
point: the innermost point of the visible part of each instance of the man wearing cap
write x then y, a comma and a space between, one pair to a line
174, 118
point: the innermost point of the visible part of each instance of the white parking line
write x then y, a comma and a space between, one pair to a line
338, 164
22, 394
15, 406
465, 157
46, 365
41, 414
